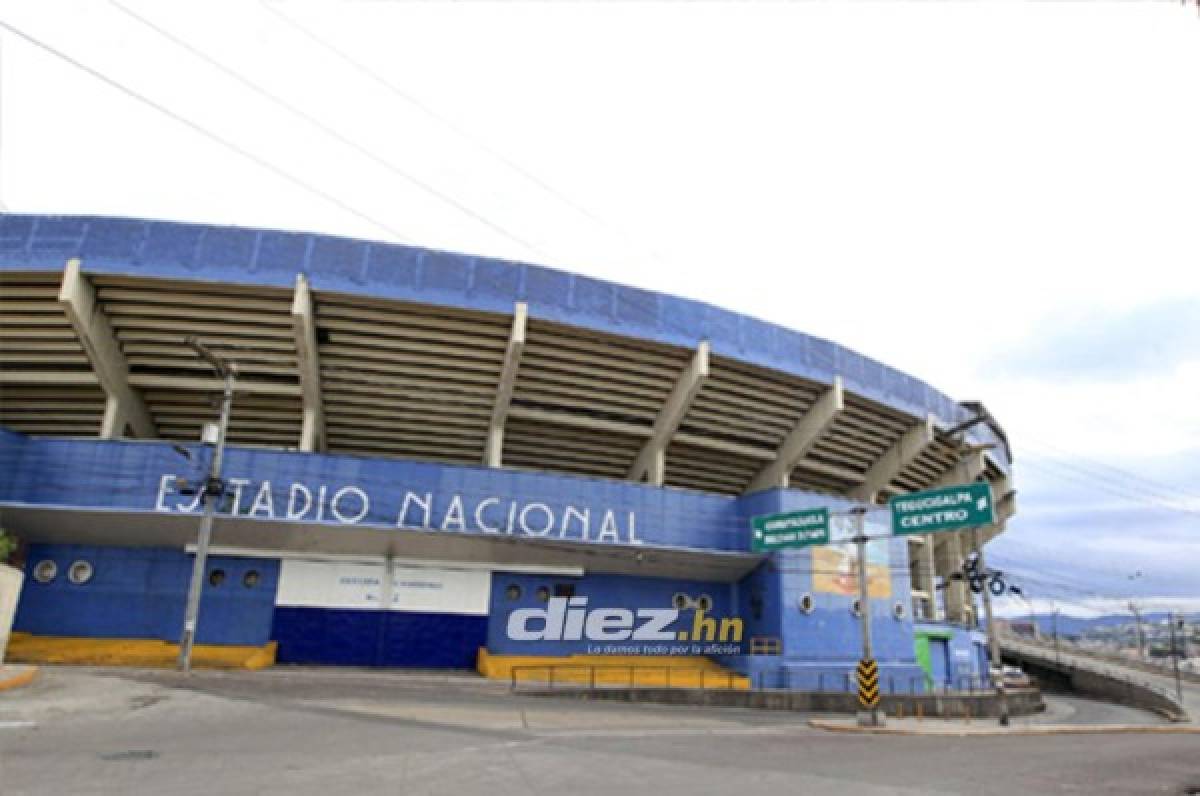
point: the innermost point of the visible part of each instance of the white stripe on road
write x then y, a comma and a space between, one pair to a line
15, 725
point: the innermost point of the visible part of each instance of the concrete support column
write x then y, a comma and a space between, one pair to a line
651, 459
123, 405
493, 453
920, 556
801, 439
304, 329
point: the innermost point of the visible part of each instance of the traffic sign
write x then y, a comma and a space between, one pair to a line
866, 674
792, 529
948, 509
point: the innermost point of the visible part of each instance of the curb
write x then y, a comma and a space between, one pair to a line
992, 732
24, 675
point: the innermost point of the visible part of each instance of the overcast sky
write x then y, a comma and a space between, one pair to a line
1000, 198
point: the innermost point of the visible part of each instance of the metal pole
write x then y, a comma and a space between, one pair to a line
1141, 639
871, 717
1175, 659
993, 641
211, 484
1057, 650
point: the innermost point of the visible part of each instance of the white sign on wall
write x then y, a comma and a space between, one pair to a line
441, 591
331, 584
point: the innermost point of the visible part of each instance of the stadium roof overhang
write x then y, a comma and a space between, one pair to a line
256, 536
385, 351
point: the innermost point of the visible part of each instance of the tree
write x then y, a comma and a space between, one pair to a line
8, 544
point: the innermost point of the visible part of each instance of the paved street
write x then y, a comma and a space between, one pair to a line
319, 731
1164, 682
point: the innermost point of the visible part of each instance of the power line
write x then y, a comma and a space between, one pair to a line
205, 132
1162, 495
327, 129
448, 123
1111, 488
1098, 465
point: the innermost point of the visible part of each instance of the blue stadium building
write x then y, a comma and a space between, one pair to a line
439, 460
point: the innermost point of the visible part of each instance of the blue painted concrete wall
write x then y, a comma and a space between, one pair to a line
140, 593
601, 591
343, 637
267, 257
959, 661
821, 648
122, 474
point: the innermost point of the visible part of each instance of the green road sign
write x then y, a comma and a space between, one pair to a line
949, 509
793, 529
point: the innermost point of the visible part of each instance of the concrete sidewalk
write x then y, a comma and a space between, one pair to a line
13, 675
990, 728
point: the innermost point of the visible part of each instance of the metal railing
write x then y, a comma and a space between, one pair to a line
683, 677
1162, 669
1055, 660
844, 683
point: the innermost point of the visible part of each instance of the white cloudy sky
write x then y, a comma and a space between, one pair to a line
1001, 198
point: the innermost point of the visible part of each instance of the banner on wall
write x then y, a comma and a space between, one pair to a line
354, 586
835, 566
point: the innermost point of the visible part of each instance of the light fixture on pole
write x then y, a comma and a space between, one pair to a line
213, 489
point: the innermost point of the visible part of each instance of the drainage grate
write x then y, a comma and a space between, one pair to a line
131, 754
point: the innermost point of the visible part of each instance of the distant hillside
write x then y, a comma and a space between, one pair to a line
1074, 626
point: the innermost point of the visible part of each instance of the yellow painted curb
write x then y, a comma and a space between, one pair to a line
993, 731
145, 652
21, 678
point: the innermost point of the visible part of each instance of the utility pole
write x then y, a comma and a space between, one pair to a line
1057, 649
997, 672
1175, 658
213, 489
1141, 639
873, 716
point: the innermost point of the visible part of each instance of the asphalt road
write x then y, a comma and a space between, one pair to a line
332, 732
1164, 682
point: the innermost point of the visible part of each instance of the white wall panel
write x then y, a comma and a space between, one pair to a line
326, 584
333, 584
443, 591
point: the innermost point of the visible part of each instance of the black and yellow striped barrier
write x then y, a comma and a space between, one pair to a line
867, 675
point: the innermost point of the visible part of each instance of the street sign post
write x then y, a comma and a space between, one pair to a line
949, 509
789, 530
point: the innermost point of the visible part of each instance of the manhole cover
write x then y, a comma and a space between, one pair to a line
131, 754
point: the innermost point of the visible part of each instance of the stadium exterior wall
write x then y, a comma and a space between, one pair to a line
138, 591
328, 538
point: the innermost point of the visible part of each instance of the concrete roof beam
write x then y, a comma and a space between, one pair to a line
493, 455
124, 406
651, 459
893, 461
304, 327
801, 439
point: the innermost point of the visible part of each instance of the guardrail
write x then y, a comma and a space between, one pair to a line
697, 677
1074, 664
1163, 670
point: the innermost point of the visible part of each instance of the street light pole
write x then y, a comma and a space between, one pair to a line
997, 672
873, 716
212, 490
1175, 659
1141, 638
1057, 650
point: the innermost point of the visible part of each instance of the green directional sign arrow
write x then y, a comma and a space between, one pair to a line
948, 509
791, 529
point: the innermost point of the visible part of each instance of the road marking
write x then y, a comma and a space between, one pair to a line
16, 725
